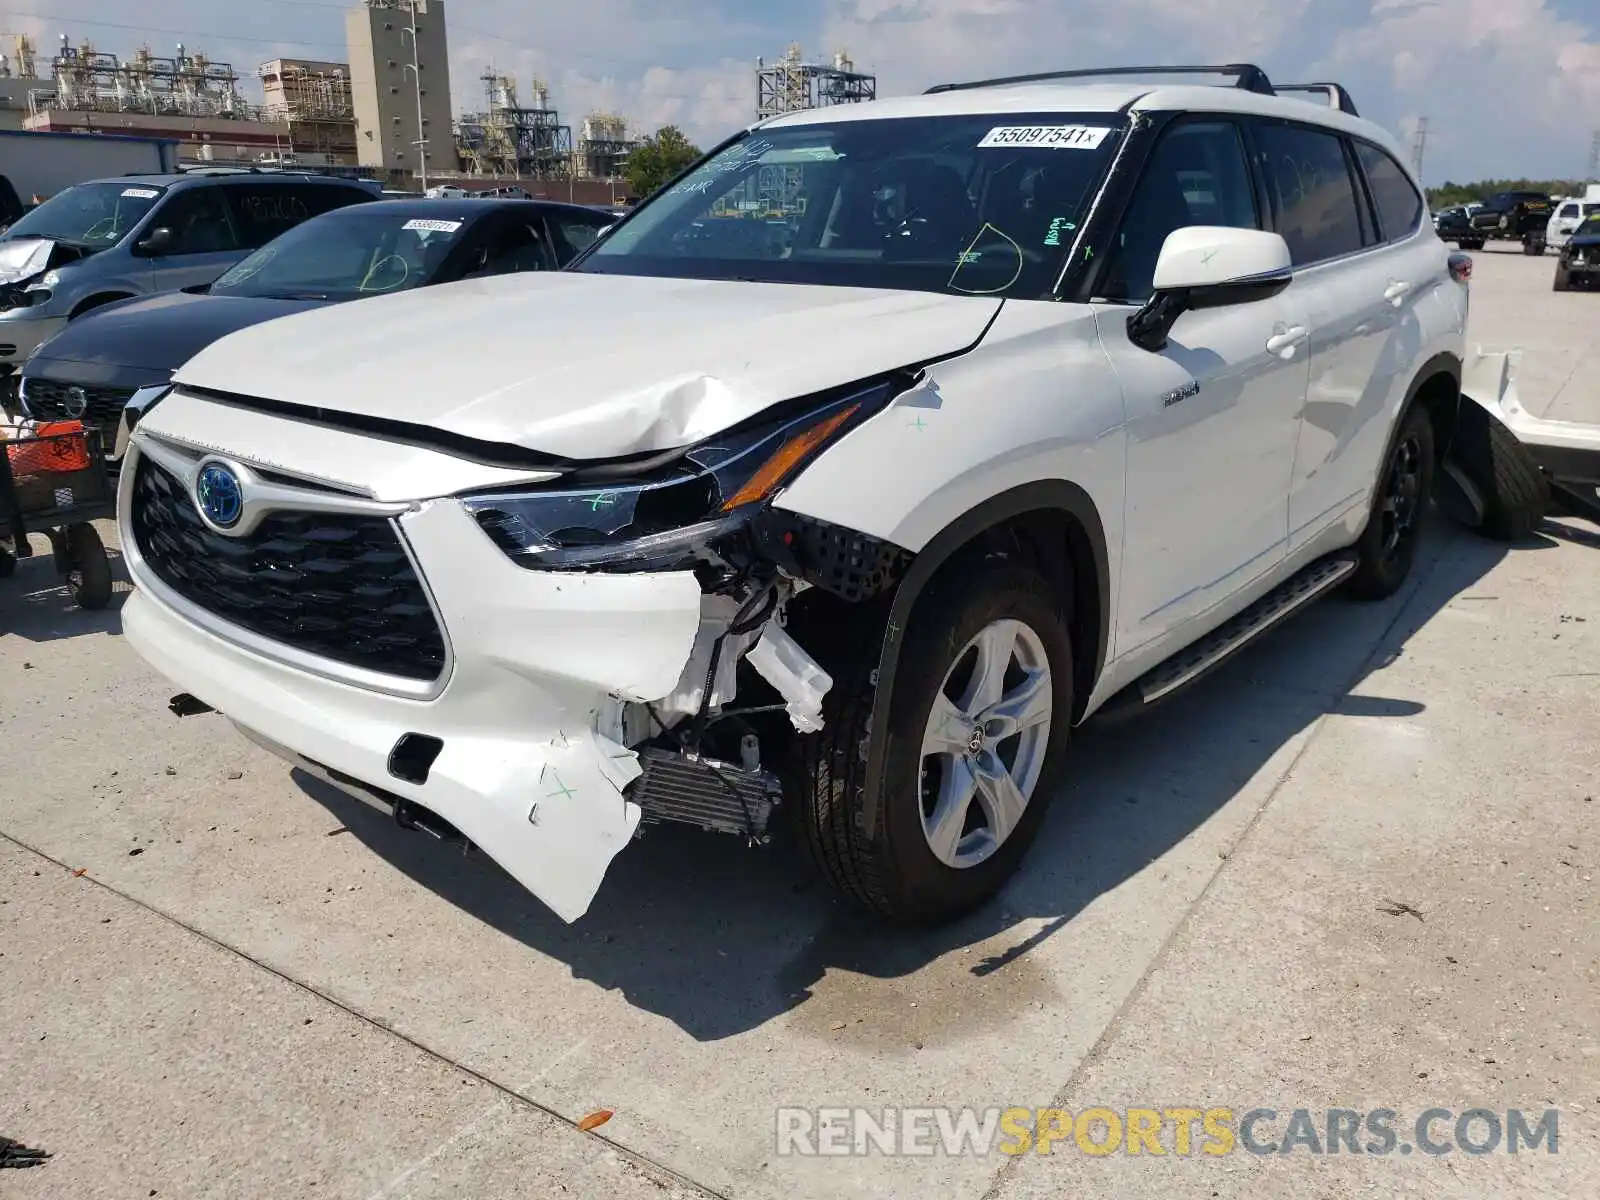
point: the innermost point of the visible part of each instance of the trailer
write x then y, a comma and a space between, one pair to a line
35, 164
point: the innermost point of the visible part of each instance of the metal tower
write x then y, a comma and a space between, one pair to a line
791, 84
1419, 145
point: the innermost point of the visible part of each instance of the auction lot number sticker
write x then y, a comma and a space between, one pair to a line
1048, 137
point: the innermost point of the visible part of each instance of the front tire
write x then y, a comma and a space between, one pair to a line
978, 726
1515, 494
1388, 545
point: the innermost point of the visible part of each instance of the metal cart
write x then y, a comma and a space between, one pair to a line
54, 481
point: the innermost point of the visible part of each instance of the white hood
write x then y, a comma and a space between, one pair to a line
586, 366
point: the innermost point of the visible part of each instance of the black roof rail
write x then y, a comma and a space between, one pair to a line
1247, 76
1336, 96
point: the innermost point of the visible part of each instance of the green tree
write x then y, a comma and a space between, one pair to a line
657, 159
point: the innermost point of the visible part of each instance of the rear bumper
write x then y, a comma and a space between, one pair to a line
529, 713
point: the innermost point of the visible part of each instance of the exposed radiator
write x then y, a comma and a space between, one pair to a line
704, 792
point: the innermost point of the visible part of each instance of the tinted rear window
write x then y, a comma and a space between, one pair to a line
1314, 196
263, 211
1399, 205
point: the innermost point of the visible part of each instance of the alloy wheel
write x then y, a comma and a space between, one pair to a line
1402, 495
983, 748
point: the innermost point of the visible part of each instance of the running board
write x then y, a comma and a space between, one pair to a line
1211, 651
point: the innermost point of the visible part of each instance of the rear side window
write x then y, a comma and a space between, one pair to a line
263, 211
1568, 210
1398, 203
1313, 193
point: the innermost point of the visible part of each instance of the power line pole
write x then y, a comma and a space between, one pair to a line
1419, 145
1594, 159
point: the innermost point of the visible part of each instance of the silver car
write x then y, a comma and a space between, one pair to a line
113, 239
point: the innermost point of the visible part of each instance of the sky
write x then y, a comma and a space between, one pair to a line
1511, 88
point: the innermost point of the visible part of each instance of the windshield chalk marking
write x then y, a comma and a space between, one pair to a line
969, 255
1058, 226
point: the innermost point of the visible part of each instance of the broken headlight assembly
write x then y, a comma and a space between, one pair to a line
662, 516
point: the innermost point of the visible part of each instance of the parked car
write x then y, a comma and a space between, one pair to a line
1055, 397
1518, 216
1580, 256
93, 368
1569, 214
112, 239
1454, 224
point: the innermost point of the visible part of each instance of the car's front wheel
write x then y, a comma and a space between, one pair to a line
978, 725
1388, 546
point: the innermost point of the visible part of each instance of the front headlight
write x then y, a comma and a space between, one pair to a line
669, 519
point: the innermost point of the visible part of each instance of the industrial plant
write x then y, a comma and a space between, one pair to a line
384, 113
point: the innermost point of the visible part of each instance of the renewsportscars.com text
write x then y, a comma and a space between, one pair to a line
1178, 1131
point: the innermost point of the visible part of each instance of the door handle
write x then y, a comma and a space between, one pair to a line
1396, 292
1284, 342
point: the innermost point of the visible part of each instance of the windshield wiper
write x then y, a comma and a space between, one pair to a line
289, 296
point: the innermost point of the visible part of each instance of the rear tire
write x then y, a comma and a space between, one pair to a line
1388, 545
895, 871
1563, 280
1515, 494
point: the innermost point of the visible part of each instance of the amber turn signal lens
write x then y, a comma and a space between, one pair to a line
777, 468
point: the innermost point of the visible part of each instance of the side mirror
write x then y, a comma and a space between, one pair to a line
160, 240
1209, 266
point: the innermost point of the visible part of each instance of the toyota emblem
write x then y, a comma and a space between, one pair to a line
219, 496
76, 403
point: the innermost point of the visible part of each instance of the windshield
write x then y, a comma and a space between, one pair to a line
96, 215
1591, 223
972, 205
343, 255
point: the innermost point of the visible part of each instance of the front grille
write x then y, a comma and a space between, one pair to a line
47, 399
334, 585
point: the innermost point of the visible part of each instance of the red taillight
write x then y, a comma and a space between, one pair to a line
1461, 267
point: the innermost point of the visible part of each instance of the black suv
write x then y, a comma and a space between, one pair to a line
1512, 217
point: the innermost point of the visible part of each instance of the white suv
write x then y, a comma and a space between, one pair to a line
842, 479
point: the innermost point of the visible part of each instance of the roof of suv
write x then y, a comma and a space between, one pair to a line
1108, 98
195, 178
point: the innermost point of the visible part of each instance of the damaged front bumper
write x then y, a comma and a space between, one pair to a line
1568, 452
524, 744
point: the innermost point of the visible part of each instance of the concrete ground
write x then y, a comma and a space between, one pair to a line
1355, 869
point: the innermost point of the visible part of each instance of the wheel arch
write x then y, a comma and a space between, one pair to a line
1437, 387
1056, 524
